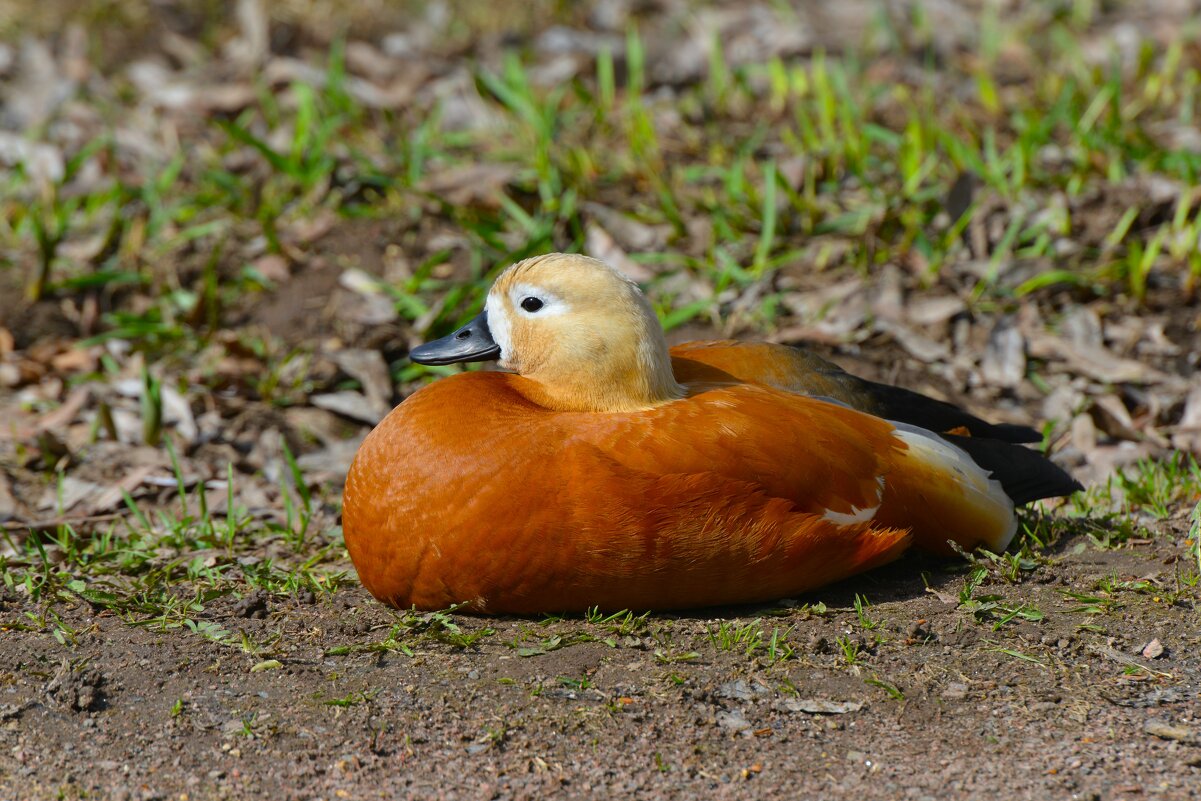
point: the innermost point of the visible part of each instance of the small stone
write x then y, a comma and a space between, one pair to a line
1153, 649
738, 690
821, 706
733, 721
1170, 731
252, 606
955, 691
920, 631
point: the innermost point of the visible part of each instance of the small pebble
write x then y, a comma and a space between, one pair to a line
955, 691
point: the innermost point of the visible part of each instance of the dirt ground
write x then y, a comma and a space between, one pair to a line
1065, 707
184, 623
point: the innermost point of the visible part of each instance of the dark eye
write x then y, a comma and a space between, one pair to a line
531, 304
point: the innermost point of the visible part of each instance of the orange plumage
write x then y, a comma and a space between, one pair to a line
692, 481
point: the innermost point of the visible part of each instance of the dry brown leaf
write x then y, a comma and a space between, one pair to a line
310, 228
273, 267
889, 298
283, 71
821, 706
65, 414
8, 504
365, 310
331, 463
252, 46
917, 345
67, 493
629, 233
350, 404
177, 412
365, 59
1004, 361
475, 183
112, 497
1187, 434
371, 371
76, 359
43, 163
933, 310
599, 244
1095, 362
1111, 416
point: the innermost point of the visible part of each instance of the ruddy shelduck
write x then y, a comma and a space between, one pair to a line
605, 470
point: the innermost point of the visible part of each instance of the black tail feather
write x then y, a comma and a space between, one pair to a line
1024, 474
897, 403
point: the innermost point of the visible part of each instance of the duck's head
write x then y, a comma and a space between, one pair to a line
580, 331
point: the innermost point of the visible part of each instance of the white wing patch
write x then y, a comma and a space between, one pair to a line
977, 485
857, 515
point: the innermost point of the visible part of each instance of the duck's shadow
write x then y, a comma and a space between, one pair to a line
915, 575
905, 579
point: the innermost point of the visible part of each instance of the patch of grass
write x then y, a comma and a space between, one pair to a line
737, 636
850, 650
893, 691
877, 160
750, 639
1154, 486
991, 607
1092, 603
1019, 655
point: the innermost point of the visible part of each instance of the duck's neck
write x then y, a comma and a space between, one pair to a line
631, 375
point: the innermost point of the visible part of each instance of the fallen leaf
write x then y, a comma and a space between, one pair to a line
1004, 361
67, 493
474, 183
112, 497
949, 600
629, 233
1187, 434
350, 404
821, 706
933, 310
76, 360
371, 371
889, 300
1082, 326
917, 345
177, 412
1153, 649
253, 44
1112, 417
331, 463
1095, 362
66, 413
733, 721
599, 244
8, 504
365, 59
1169, 731
273, 267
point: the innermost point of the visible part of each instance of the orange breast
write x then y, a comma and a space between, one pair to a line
469, 492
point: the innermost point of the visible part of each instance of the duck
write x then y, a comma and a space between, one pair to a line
600, 469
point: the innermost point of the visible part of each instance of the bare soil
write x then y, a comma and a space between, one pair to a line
1035, 710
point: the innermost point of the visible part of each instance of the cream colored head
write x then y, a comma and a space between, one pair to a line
583, 333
